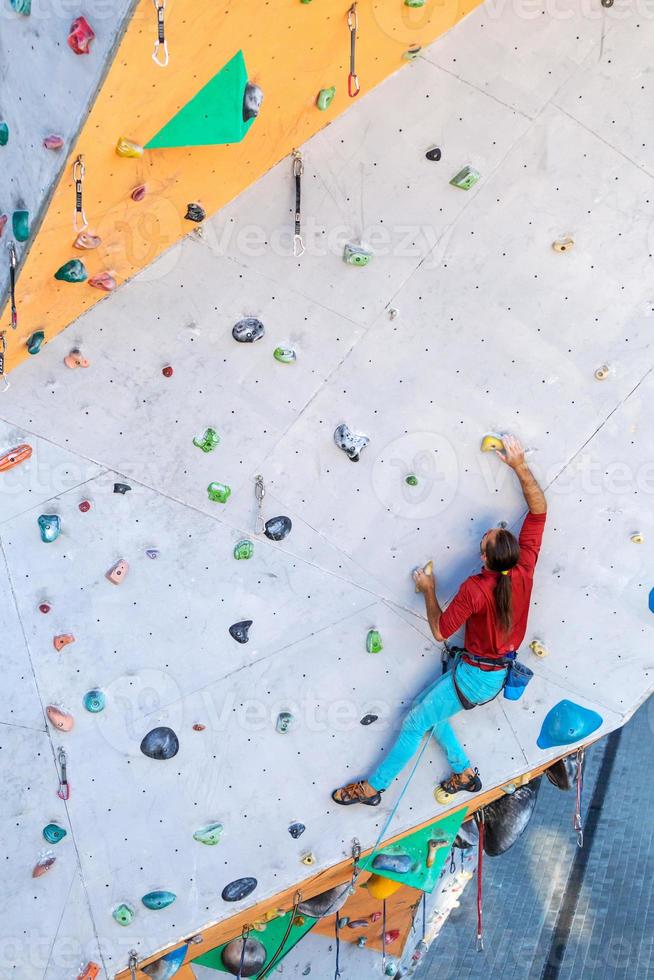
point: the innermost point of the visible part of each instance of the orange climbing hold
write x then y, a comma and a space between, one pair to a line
58, 718
75, 359
42, 866
63, 640
81, 35
117, 573
14, 457
89, 972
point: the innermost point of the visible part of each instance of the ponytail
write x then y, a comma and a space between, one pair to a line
502, 554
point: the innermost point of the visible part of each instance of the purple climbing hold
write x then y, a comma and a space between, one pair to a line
195, 212
252, 99
277, 528
399, 864
368, 719
239, 631
247, 330
121, 488
296, 830
237, 890
160, 743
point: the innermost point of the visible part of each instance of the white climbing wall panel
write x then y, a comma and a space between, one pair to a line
495, 331
46, 90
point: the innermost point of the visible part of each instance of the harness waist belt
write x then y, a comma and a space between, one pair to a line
495, 663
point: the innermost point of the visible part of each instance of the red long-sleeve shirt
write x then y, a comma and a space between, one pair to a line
474, 603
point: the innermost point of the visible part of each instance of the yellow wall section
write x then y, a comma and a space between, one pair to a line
291, 49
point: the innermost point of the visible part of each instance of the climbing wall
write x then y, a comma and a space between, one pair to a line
197, 148
465, 321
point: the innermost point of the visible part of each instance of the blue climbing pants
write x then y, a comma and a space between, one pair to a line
432, 708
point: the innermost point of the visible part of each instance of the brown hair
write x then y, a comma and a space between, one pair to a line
502, 554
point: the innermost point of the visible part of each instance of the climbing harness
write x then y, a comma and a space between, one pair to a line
161, 41
132, 963
244, 936
259, 493
63, 791
479, 820
79, 218
298, 170
13, 261
353, 86
3, 348
576, 823
272, 963
455, 653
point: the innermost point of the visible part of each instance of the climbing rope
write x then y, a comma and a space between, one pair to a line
384, 936
298, 170
64, 788
244, 936
273, 961
132, 962
576, 823
424, 914
337, 937
353, 25
480, 821
13, 261
79, 172
259, 493
161, 41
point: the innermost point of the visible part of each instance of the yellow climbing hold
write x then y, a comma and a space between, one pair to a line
538, 649
563, 245
491, 444
602, 372
428, 569
128, 148
637, 538
381, 888
309, 859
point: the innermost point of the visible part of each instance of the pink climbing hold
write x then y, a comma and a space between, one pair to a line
75, 359
86, 241
391, 936
104, 281
84, 506
59, 718
138, 193
117, 572
81, 35
4, 218
53, 142
44, 607
43, 865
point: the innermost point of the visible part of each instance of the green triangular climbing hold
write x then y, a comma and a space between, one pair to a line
422, 854
214, 115
270, 936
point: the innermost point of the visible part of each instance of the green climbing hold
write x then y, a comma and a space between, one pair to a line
466, 178
286, 355
210, 834
94, 701
208, 441
53, 833
219, 492
20, 222
4, 133
412, 480
72, 271
123, 914
158, 900
412, 53
23, 7
356, 255
214, 115
35, 342
325, 97
374, 642
243, 550
414, 3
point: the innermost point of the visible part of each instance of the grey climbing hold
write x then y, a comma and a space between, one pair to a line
252, 99
277, 528
121, 488
296, 830
239, 889
284, 722
244, 965
352, 443
506, 819
195, 212
160, 743
434, 154
239, 631
327, 903
563, 774
368, 719
152, 552
399, 864
247, 330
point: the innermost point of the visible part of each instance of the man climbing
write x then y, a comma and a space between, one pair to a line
494, 606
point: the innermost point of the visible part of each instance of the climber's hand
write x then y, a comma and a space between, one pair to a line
424, 582
514, 453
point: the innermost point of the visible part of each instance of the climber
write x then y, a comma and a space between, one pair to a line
494, 606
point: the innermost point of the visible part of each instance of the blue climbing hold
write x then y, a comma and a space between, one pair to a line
239, 889
158, 900
566, 723
53, 833
94, 701
167, 966
50, 527
398, 863
651, 601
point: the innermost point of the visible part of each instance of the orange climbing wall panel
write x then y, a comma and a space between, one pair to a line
291, 50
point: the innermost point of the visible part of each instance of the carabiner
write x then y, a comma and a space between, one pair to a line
298, 170
353, 86
259, 493
13, 262
3, 348
161, 41
64, 788
79, 172
132, 963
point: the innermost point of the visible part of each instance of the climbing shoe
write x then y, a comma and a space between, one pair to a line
361, 792
467, 781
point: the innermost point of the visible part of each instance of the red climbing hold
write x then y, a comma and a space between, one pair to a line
167, 371
61, 641
84, 506
198, 727
138, 193
104, 281
391, 936
45, 607
4, 218
81, 35
53, 142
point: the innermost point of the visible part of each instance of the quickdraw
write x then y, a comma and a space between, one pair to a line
337, 937
132, 963
353, 86
268, 968
479, 820
63, 791
259, 493
244, 936
3, 348
13, 261
576, 823
79, 218
161, 41
298, 170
